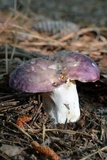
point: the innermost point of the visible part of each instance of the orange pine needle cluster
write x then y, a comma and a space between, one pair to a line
45, 150
21, 120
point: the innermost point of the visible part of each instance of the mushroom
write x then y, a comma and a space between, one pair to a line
54, 76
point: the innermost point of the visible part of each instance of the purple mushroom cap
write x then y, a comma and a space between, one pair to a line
77, 66
46, 73
34, 76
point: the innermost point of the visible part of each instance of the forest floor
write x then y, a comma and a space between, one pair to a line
26, 131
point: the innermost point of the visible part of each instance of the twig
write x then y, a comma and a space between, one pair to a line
45, 150
6, 59
15, 6
68, 131
4, 156
22, 130
90, 155
43, 134
41, 149
13, 51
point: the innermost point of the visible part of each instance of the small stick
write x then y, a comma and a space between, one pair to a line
6, 58
90, 155
15, 6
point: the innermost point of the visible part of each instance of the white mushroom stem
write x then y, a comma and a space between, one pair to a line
62, 104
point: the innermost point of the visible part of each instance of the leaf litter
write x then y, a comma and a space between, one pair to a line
39, 138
